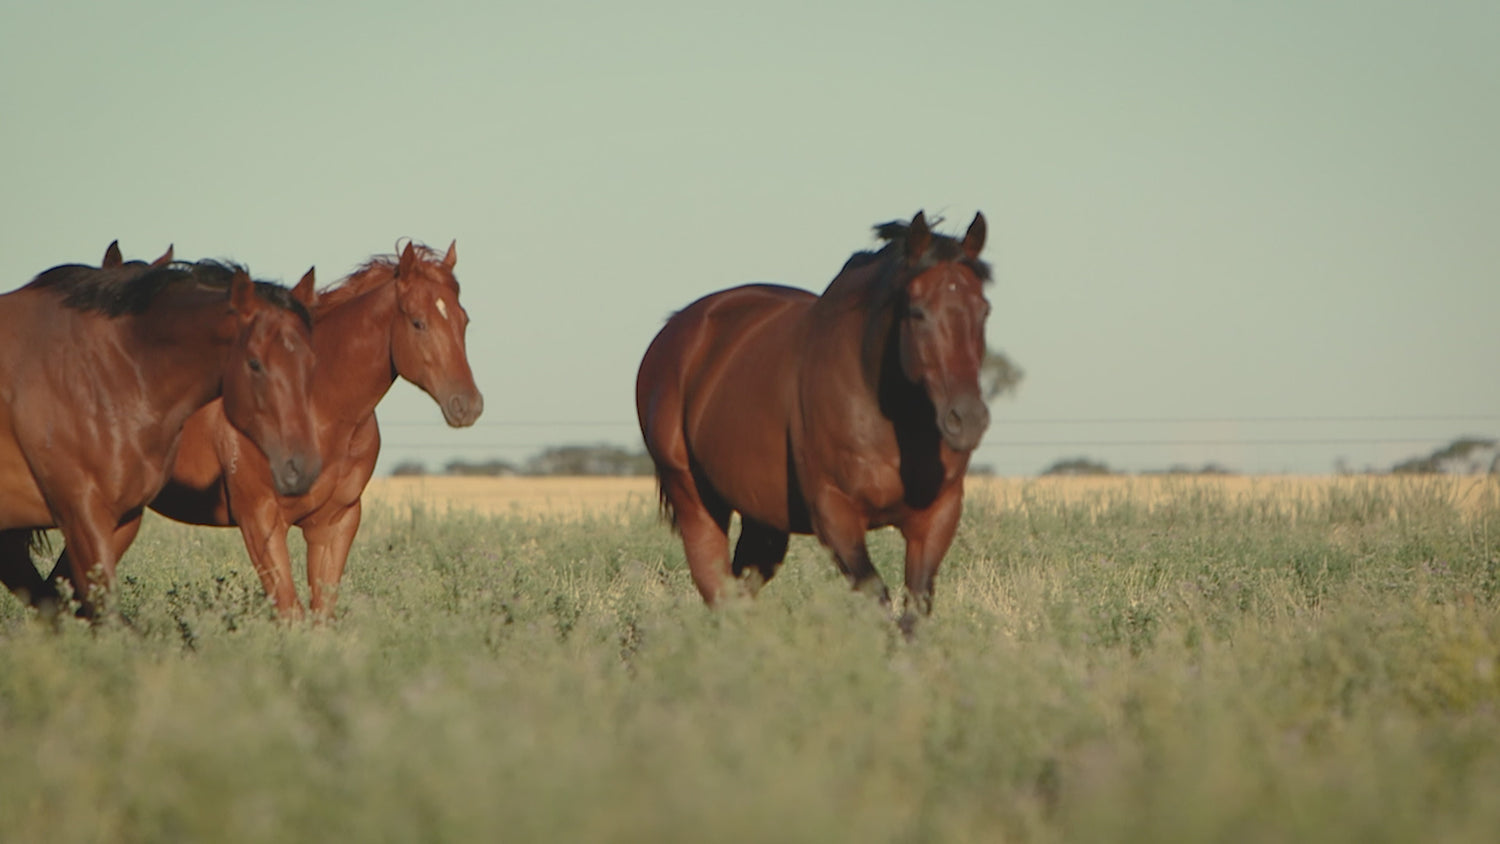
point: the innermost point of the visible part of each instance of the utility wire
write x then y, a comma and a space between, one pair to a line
1001, 420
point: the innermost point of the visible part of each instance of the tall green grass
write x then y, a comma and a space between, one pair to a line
1194, 667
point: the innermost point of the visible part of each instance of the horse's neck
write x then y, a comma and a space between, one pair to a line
353, 345
846, 345
855, 321
183, 346
862, 341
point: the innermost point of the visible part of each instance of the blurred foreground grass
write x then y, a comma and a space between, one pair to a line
1173, 660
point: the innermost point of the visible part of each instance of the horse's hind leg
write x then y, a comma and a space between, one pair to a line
19, 574
700, 515
94, 542
704, 525
758, 553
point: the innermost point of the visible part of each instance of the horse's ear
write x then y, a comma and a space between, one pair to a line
112, 256
304, 292
242, 293
918, 238
974, 238
452, 257
165, 259
408, 261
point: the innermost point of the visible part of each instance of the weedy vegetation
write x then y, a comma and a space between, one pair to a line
1173, 660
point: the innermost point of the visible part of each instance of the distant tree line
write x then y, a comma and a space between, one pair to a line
998, 375
1074, 466
1463, 456
557, 460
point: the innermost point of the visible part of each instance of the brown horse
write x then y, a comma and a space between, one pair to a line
100, 370
393, 316
828, 415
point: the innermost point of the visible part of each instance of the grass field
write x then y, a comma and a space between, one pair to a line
1118, 660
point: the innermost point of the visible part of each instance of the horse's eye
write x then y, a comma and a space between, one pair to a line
918, 314
254, 364
419, 325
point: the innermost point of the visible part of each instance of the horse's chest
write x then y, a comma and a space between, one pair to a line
874, 483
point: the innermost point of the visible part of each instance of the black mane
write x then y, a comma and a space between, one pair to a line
131, 290
940, 248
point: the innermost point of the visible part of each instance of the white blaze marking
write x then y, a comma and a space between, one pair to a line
234, 454
442, 308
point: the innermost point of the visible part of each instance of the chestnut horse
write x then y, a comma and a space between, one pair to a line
100, 370
394, 316
828, 415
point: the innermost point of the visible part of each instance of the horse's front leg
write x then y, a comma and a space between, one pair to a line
329, 535
840, 524
264, 529
928, 534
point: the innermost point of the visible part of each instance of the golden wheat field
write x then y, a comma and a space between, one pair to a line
515, 496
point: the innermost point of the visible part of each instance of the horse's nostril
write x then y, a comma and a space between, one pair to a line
296, 474
954, 421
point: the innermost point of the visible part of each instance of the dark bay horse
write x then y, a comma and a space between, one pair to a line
99, 370
394, 316
828, 415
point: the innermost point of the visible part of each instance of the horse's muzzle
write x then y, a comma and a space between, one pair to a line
460, 410
294, 475
963, 422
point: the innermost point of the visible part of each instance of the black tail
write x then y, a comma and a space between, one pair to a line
664, 504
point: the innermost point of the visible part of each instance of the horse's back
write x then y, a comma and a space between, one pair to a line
702, 338
716, 391
28, 317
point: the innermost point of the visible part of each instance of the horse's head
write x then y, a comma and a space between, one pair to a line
941, 317
268, 377
427, 339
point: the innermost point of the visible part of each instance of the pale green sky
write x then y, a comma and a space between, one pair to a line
1225, 211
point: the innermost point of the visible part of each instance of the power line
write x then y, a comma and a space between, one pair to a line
1001, 420
509, 423
1213, 442
1155, 443
1248, 420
